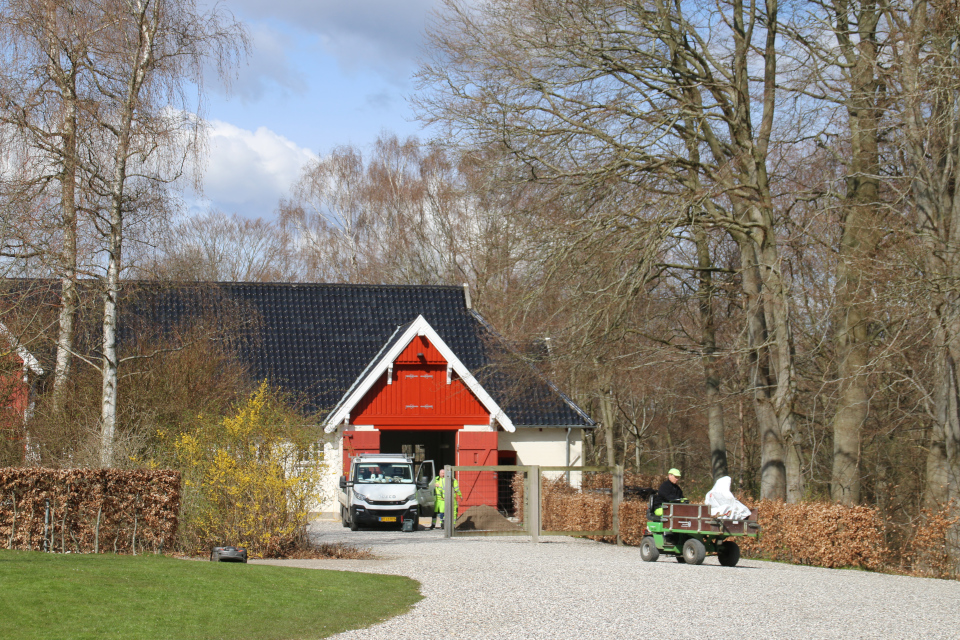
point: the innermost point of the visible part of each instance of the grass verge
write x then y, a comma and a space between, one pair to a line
146, 597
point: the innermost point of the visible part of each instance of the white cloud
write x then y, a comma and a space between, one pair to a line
247, 172
384, 35
269, 68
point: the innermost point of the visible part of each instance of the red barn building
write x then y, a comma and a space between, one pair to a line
398, 369
394, 368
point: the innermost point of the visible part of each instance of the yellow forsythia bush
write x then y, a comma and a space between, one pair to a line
247, 480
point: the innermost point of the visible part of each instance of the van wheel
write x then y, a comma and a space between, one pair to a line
343, 516
353, 523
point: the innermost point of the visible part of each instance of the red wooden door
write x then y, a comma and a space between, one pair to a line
357, 442
477, 449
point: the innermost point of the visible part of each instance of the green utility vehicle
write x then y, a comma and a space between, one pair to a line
688, 532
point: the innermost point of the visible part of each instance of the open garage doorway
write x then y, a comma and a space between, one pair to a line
439, 446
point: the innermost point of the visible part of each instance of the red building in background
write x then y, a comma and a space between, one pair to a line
17, 386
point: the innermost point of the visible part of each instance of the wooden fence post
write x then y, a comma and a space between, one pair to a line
13, 527
96, 531
46, 527
617, 491
448, 498
535, 488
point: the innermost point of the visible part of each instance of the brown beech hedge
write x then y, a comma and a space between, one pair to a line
820, 534
89, 510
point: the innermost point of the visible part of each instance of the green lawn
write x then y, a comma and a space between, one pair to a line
107, 596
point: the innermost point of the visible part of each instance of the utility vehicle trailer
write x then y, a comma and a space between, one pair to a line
688, 532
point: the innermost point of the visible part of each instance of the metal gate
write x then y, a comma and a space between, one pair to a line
490, 519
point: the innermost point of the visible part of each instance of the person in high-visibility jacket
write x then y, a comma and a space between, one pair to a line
439, 504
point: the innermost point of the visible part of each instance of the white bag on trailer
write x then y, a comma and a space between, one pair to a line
723, 503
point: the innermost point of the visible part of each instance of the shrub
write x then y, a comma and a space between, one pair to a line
812, 533
248, 479
88, 510
820, 534
929, 551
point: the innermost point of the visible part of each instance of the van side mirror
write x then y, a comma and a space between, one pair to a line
343, 482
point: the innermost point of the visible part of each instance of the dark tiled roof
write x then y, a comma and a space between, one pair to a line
317, 339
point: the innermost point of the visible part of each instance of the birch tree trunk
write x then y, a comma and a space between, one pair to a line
69, 298
142, 59
139, 78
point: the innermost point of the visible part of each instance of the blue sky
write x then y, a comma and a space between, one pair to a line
321, 73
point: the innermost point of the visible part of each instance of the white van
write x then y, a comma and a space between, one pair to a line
382, 489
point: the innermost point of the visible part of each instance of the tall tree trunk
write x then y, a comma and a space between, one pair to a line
111, 361
607, 411
777, 308
110, 366
146, 18
930, 72
715, 424
63, 71
947, 412
859, 240
69, 299
773, 478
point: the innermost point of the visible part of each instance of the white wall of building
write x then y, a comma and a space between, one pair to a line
329, 506
333, 457
546, 447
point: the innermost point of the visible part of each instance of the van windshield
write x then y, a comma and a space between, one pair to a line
384, 472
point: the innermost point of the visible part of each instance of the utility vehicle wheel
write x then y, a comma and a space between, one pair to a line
354, 525
693, 551
343, 516
728, 553
648, 550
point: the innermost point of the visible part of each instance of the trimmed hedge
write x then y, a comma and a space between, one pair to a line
820, 534
90, 510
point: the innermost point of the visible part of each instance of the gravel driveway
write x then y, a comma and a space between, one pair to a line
567, 588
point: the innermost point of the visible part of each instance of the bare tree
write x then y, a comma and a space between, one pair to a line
929, 103
408, 213
219, 248
43, 86
844, 71
146, 55
587, 93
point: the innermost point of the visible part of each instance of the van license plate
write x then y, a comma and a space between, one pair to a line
391, 519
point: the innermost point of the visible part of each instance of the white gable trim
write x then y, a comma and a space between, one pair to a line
29, 361
419, 327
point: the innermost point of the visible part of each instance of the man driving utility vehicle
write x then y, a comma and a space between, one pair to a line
669, 491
